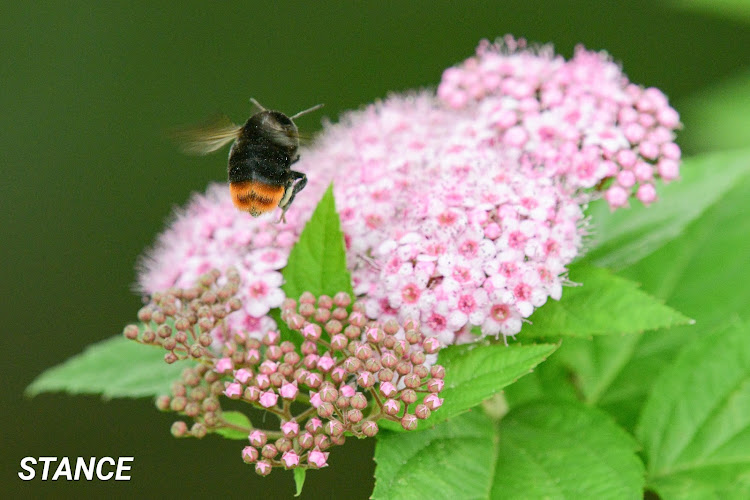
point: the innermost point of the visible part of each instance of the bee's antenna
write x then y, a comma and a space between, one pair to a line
257, 104
308, 110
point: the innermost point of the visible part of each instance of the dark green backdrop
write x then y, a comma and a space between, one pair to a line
86, 91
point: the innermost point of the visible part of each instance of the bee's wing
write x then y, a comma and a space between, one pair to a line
207, 137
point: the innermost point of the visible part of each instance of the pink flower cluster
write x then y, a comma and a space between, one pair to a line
580, 121
461, 209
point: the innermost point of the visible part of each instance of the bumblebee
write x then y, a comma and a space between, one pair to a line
260, 159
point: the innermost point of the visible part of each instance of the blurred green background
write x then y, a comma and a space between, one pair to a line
88, 180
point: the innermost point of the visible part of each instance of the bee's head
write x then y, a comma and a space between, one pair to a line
276, 128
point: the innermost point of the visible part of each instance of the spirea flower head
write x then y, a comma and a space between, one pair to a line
318, 391
580, 121
460, 208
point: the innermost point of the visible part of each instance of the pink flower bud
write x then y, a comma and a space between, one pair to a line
224, 365
271, 338
326, 362
435, 385
311, 332
263, 468
422, 411
249, 454
314, 425
433, 402
338, 374
365, 379
391, 406
290, 459
325, 410
253, 356
252, 393
268, 367
233, 390
374, 335
315, 399
258, 438
387, 389
268, 399
409, 422
263, 381
288, 390
370, 428
317, 459
431, 345
243, 375
290, 429
347, 391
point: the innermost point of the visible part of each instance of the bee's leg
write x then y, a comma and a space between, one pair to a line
292, 188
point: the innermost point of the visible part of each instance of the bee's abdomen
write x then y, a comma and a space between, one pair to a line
255, 197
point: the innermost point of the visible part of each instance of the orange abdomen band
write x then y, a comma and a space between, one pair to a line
255, 197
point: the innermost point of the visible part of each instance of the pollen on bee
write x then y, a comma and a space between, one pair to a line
255, 197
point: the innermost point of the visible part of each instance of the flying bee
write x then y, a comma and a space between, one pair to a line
260, 159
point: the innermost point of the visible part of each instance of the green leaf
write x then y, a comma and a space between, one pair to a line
702, 273
732, 9
114, 368
235, 418
719, 118
299, 480
549, 380
623, 237
453, 460
541, 450
565, 450
695, 425
603, 304
474, 373
317, 263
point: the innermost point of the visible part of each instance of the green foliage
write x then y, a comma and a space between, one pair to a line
114, 368
687, 254
474, 373
556, 449
719, 118
539, 450
602, 304
238, 419
624, 237
453, 460
695, 426
299, 480
317, 263
703, 273
733, 9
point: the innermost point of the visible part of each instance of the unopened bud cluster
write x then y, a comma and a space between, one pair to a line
344, 374
181, 319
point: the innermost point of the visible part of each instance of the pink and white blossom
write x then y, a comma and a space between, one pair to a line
460, 209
